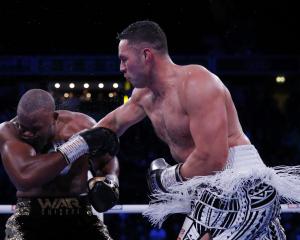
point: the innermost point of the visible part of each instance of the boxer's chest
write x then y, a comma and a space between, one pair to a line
169, 120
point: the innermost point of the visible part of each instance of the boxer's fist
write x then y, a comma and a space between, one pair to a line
94, 141
161, 175
100, 139
103, 192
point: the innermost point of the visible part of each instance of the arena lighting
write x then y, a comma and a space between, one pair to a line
111, 94
125, 99
88, 95
71, 85
86, 85
101, 85
66, 95
127, 86
280, 79
57, 85
115, 85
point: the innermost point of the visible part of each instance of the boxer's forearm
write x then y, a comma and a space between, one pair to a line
105, 165
123, 117
34, 171
200, 164
109, 121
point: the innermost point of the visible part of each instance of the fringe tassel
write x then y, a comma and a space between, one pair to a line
285, 179
163, 204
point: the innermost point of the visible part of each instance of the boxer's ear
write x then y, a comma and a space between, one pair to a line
147, 53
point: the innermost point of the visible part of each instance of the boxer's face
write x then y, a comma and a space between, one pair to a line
37, 128
133, 64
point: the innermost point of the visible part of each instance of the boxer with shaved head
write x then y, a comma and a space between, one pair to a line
47, 153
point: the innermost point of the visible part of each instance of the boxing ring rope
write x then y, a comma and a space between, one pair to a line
137, 209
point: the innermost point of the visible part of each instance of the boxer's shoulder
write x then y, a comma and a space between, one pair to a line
8, 130
69, 123
8, 133
139, 93
142, 96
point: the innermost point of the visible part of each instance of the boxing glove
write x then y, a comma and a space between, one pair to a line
103, 192
161, 175
102, 140
94, 141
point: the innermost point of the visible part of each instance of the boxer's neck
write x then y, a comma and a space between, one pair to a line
162, 76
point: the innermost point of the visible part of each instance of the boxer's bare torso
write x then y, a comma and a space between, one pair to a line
192, 111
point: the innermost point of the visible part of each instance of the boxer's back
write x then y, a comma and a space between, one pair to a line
236, 135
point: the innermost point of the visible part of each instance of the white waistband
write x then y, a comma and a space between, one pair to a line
243, 157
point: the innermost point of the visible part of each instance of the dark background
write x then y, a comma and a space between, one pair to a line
197, 27
242, 31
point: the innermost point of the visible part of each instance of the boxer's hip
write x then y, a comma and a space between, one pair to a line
55, 218
53, 206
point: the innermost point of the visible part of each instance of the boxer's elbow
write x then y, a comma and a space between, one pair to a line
218, 165
213, 160
19, 180
23, 183
219, 160
25, 180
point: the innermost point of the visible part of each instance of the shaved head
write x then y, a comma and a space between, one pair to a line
35, 100
36, 118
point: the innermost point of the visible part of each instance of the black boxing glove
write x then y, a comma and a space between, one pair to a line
161, 175
96, 140
100, 139
103, 192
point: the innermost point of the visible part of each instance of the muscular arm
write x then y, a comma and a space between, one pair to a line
124, 116
25, 168
205, 106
